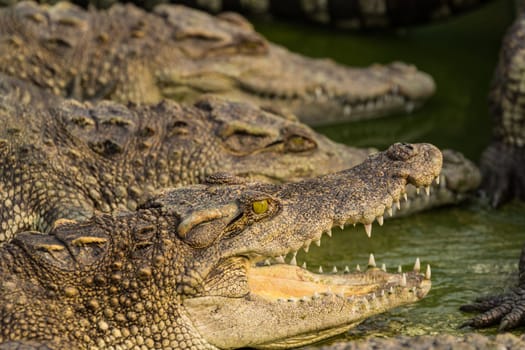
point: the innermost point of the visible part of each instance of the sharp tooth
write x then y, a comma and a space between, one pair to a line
368, 229
329, 233
280, 259
390, 213
267, 262
399, 269
334, 270
427, 190
318, 242
383, 267
304, 265
417, 265
391, 290
358, 268
380, 220
293, 261
437, 179
306, 247
382, 293
320, 269
405, 196
428, 273
418, 190
347, 110
404, 280
347, 269
342, 227
372, 296
398, 205
371, 261
315, 296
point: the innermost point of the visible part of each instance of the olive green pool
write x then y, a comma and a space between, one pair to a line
472, 249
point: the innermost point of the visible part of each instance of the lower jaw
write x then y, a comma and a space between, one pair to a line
284, 281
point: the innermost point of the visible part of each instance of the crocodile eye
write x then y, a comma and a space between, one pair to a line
298, 143
260, 207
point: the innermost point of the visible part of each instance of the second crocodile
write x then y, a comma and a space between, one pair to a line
127, 54
66, 159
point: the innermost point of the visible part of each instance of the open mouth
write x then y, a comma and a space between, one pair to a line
283, 282
280, 278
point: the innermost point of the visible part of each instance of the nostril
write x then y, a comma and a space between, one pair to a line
401, 151
407, 145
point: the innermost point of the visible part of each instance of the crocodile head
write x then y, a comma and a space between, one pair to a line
258, 144
184, 270
126, 54
285, 304
190, 142
318, 91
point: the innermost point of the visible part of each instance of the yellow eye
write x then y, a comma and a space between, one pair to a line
260, 207
297, 141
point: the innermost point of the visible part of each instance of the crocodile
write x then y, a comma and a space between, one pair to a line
64, 159
73, 158
503, 169
186, 270
127, 54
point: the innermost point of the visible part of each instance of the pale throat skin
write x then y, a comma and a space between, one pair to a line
182, 271
127, 54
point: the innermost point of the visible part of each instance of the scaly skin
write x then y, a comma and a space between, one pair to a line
65, 160
75, 158
507, 310
502, 164
126, 54
182, 271
503, 168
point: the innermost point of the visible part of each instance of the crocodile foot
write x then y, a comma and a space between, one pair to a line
503, 168
508, 309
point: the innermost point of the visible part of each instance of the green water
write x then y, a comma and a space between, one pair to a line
472, 249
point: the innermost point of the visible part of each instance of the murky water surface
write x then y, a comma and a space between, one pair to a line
472, 249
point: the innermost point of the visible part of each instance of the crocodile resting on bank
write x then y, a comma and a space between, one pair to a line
127, 54
66, 159
185, 270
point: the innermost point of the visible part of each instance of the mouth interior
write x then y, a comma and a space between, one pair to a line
284, 281
288, 281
